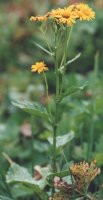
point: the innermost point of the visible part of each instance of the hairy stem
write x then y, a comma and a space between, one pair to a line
47, 94
56, 106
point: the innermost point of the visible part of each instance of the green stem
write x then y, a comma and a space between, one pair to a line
73, 185
70, 174
56, 106
54, 136
66, 43
47, 94
91, 135
32, 148
54, 149
58, 87
69, 37
63, 62
7, 158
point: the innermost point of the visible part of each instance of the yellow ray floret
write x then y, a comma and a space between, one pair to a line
39, 67
84, 12
65, 15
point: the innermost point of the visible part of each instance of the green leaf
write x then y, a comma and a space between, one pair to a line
31, 108
73, 59
5, 198
18, 174
21, 191
62, 140
70, 61
98, 157
72, 90
41, 47
60, 174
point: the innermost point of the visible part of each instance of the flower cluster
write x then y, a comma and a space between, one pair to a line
64, 16
84, 173
68, 15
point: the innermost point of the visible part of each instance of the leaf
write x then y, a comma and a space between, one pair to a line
72, 90
73, 59
31, 108
98, 157
41, 47
70, 61
5, 198
41, 146
8, 132
62, 140
60, 174
18, 174
21, 191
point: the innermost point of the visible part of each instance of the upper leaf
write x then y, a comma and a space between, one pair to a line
41, 47
72, 90
62, 140
70, 61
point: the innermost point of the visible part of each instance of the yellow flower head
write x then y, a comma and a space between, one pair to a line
84, 173
65, 16
39, 67
84, 12
38, 18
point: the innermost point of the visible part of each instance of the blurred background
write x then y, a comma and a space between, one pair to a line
17, 54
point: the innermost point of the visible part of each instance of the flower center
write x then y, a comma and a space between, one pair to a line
66, 14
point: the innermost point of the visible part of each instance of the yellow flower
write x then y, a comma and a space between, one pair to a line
39, 67
65, 15
38, 18
84, 12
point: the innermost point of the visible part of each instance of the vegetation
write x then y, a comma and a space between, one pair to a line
51, 122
